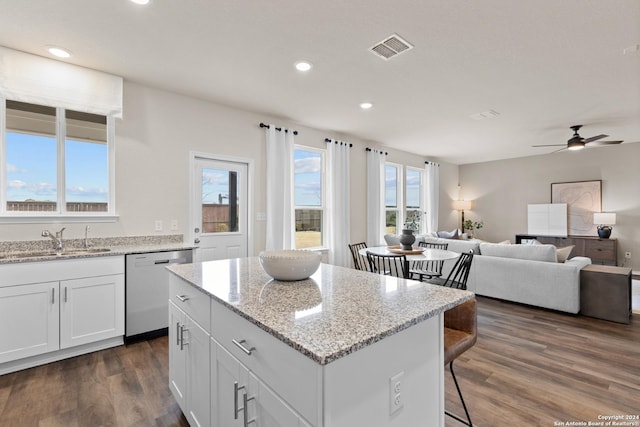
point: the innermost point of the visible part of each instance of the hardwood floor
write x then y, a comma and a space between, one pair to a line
530, 367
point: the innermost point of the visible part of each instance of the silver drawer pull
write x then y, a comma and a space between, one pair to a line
182, 343
245, 409
182, 298
243, 348
177, 333
236, 389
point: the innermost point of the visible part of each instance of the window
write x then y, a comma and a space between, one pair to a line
392, 197
308, 197
55, 162
413, 198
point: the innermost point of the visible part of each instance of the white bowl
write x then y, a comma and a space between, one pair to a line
290, 265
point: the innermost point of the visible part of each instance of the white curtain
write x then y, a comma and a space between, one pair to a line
338, 206
432, 195
376, 216
280, 223
43, 81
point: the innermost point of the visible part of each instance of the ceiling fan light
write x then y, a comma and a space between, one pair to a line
574, 145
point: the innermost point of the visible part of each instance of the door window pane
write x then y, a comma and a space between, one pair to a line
31, 157
86, 163
220, 201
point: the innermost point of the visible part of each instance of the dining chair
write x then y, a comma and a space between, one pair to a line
460, 334
359, 261
428, 269
459, 274
389, 265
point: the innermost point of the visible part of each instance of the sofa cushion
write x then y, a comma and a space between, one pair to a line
392, 239
529, 252
449, 234
456, 245
563, 253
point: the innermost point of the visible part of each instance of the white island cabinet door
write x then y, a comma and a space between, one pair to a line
29, 317
198, 376
228, 386
269, 410
91, 309
177, 357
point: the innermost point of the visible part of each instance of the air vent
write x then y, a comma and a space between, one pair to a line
391, 46
490, 114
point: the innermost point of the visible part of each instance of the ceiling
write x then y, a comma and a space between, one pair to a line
543, 65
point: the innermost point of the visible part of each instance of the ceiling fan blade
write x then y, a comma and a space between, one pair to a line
594, 138
555, 151
550, 145
602, 143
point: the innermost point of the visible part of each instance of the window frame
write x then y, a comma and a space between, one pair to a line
399, 196
60, 214
323, 196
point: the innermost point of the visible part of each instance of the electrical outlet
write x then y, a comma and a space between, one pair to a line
627, 255
174, 224
396, 401
158, 226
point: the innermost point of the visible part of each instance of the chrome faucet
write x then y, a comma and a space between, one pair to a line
57, 239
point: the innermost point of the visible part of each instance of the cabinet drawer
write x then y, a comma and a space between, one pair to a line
601, 250
293, 376
195, 303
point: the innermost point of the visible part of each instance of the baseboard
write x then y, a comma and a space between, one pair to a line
54, 356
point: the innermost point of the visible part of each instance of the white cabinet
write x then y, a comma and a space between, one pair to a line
240, 398
28, 320
56, 309
189, 363
91, 309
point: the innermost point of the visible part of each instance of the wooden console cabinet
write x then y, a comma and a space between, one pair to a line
601, 251
605, 292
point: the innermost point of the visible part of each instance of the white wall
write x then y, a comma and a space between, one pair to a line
153, 141
501, 190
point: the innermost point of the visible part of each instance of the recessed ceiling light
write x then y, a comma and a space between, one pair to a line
366, 105
58, 51
303, 66
140, 1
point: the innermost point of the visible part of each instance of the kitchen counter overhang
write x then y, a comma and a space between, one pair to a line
335, 312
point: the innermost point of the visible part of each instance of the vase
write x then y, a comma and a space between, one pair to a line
407, 239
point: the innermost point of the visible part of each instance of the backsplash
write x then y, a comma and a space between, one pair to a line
45, 244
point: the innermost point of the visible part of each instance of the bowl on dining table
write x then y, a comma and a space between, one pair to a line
290, 264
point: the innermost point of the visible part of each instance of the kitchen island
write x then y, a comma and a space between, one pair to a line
342, 348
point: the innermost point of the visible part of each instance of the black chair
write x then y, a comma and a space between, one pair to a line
359, 261
460, 334
389, 265
459, 273
428, 269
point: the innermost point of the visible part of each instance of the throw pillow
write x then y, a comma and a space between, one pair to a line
563, 253
448, 234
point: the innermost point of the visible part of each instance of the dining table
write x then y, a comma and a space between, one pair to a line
415, 254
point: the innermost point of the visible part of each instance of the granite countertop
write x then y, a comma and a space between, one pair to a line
333, 313
35, 251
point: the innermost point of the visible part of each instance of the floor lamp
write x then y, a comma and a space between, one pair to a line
462, 205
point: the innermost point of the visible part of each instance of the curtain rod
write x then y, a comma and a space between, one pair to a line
336, 141
262, 125
427, 162
381, 152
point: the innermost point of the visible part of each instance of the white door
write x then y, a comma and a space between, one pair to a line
220, 207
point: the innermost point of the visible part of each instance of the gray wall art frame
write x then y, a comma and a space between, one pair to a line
583, 198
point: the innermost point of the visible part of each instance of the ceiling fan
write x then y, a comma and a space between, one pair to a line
576, 142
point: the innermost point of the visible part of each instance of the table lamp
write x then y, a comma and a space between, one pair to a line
604, 221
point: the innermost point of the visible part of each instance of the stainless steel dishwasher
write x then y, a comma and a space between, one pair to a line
147, 292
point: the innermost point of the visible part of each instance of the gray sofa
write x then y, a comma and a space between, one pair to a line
528, 274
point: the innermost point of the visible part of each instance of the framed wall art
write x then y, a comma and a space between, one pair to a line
583, 198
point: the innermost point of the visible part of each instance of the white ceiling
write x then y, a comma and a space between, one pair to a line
544, 65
